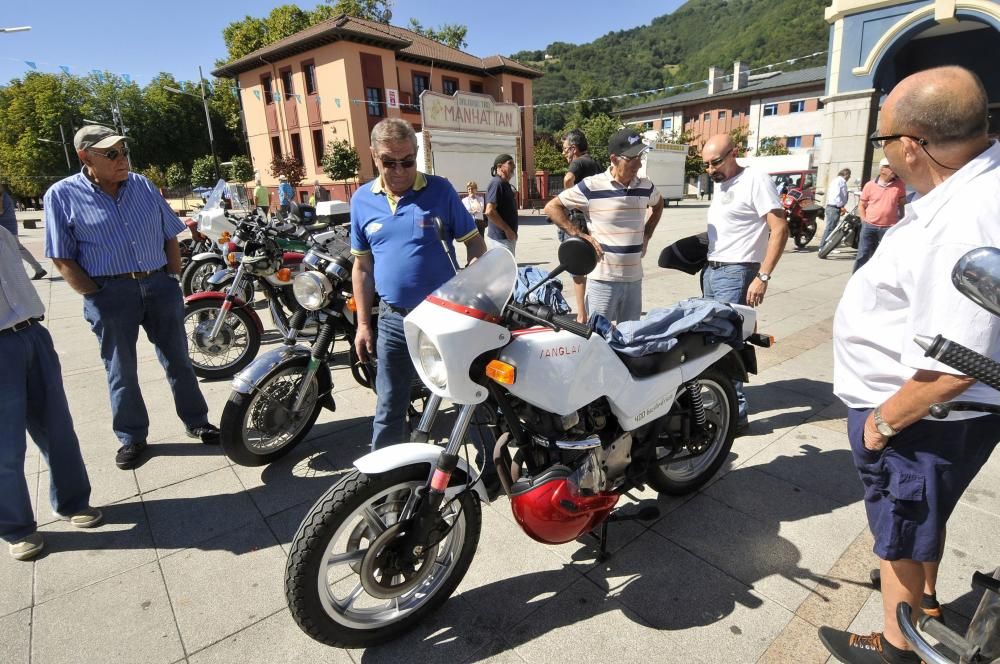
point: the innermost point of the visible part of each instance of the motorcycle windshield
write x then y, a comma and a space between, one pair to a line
483, 287
214, 199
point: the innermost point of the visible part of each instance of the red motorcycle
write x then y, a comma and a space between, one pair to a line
801, 211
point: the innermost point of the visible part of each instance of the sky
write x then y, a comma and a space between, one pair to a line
145, 37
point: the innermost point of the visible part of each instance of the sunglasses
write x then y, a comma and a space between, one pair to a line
390, 164
113, 153
878, 142
714, 163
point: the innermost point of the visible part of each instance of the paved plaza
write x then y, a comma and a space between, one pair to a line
189, 565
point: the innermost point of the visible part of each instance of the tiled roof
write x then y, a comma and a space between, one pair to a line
407, 44
754, 86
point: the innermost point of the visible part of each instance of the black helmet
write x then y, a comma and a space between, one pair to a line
689, 254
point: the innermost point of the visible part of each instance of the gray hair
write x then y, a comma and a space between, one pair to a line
845, 173
577, 139
393, 130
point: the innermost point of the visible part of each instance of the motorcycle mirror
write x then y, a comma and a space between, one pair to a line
577, 256
977, 276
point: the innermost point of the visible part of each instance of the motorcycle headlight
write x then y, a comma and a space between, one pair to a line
312, 290
431, 362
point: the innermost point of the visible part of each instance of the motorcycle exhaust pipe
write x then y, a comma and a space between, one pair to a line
504, 463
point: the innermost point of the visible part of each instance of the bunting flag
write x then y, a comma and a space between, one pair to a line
317, 100
31, 64
276, 96
298, 99
256, 93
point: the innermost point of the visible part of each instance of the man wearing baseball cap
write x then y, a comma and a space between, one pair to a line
881, 206
616, 203
114, 240
501, 205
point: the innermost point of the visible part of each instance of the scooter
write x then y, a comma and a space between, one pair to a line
977, 276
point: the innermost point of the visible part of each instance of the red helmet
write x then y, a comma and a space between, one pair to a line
551, 509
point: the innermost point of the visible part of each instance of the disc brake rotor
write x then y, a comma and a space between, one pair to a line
386, 573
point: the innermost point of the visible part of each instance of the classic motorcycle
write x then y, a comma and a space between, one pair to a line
278, 397
224, 330
977, 276
801, 213
576, 424
846, 234
196, 244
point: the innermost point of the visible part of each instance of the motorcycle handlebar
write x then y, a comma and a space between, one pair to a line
544, 314
957, 356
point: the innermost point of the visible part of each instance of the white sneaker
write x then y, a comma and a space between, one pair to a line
27, 548
86, 518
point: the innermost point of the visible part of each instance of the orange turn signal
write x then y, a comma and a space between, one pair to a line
501, 372
352, 306
231, 258
284, 274
225, 236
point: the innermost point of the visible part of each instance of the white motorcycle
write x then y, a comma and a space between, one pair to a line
576, 425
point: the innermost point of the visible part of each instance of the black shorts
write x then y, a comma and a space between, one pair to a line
913, 485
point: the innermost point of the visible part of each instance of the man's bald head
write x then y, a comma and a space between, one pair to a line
942, 105
717, 146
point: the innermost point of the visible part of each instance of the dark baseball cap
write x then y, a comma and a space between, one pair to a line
626, 143
502, 159
95, 136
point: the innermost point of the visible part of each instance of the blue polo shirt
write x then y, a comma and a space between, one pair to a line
410, 262
108, 235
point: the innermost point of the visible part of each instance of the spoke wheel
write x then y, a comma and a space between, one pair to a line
347, 581
228, 352
194, 278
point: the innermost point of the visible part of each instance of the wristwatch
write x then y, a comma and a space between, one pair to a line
764, 276
883, 427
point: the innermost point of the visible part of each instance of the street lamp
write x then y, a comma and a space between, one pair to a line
23, 28
208, 118
63, 143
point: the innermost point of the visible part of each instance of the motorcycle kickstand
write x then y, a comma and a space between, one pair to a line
648, 513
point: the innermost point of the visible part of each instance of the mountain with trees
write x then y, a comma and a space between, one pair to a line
673, 49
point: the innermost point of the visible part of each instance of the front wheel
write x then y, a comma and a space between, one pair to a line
228, 352
262, 426
807, 231
832, 242
195, 276
701, 459
347, 583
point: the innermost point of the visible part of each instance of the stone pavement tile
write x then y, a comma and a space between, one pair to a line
973, 531
275, 639
301, 476
15, 638
782, 555
837, 606
496, 652
869, 617
672, 590
984, 491
511, 575
798, 643
108, 484
74, 557
175, 459
815, 459
582, 622
124, 619
234, 582
341, 445
777, 405
285, 524
451, 634
187, 514
833, 417
16, 581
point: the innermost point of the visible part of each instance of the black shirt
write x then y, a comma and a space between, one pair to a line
584, 167
501, 194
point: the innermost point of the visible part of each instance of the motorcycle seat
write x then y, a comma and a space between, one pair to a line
690, 346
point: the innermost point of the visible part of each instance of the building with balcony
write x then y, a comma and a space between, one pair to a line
338, 78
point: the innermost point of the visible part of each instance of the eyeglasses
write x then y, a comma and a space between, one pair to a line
629, 160
113, 153
878, 142
390, 164
568, 148
715, 163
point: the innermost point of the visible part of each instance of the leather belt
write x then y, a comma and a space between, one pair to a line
132, 275
716, 264
402, 311
24, 324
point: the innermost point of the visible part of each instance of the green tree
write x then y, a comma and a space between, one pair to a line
290, 167
203, 172
373, 10
241, 169
771, 146
740, 137
598, 130
548, 157
449, 34
156, 175
177, 176
340, 161
250, 33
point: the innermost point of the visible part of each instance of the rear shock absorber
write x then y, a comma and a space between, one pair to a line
697, 405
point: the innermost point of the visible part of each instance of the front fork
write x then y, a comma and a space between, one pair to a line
318, 357
227, 303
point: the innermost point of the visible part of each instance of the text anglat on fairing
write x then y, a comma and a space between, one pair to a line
559, 351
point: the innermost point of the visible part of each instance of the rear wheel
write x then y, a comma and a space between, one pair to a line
807, 231
194, 278
832, 242
232, 349
347, 582
703, 458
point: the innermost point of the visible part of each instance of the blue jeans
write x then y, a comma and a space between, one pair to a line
115, 313
832, 219
618, 301
729, 283
868, 242
33, 399
393, 380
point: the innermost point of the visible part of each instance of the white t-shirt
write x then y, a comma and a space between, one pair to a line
906, 290
836, 193
474, 206
737, 228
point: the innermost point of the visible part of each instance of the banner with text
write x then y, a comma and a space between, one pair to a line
467, 111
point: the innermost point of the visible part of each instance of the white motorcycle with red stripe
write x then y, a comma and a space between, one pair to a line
575, 426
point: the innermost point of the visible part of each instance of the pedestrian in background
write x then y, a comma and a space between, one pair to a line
581, 165
285, 195
836, 198
34, 401
8, 220
881, 206
262, 198
114, 240
915, 468
501, 205
475, 206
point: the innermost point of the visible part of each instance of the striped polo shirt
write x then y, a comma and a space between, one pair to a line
109, 235
617, 216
